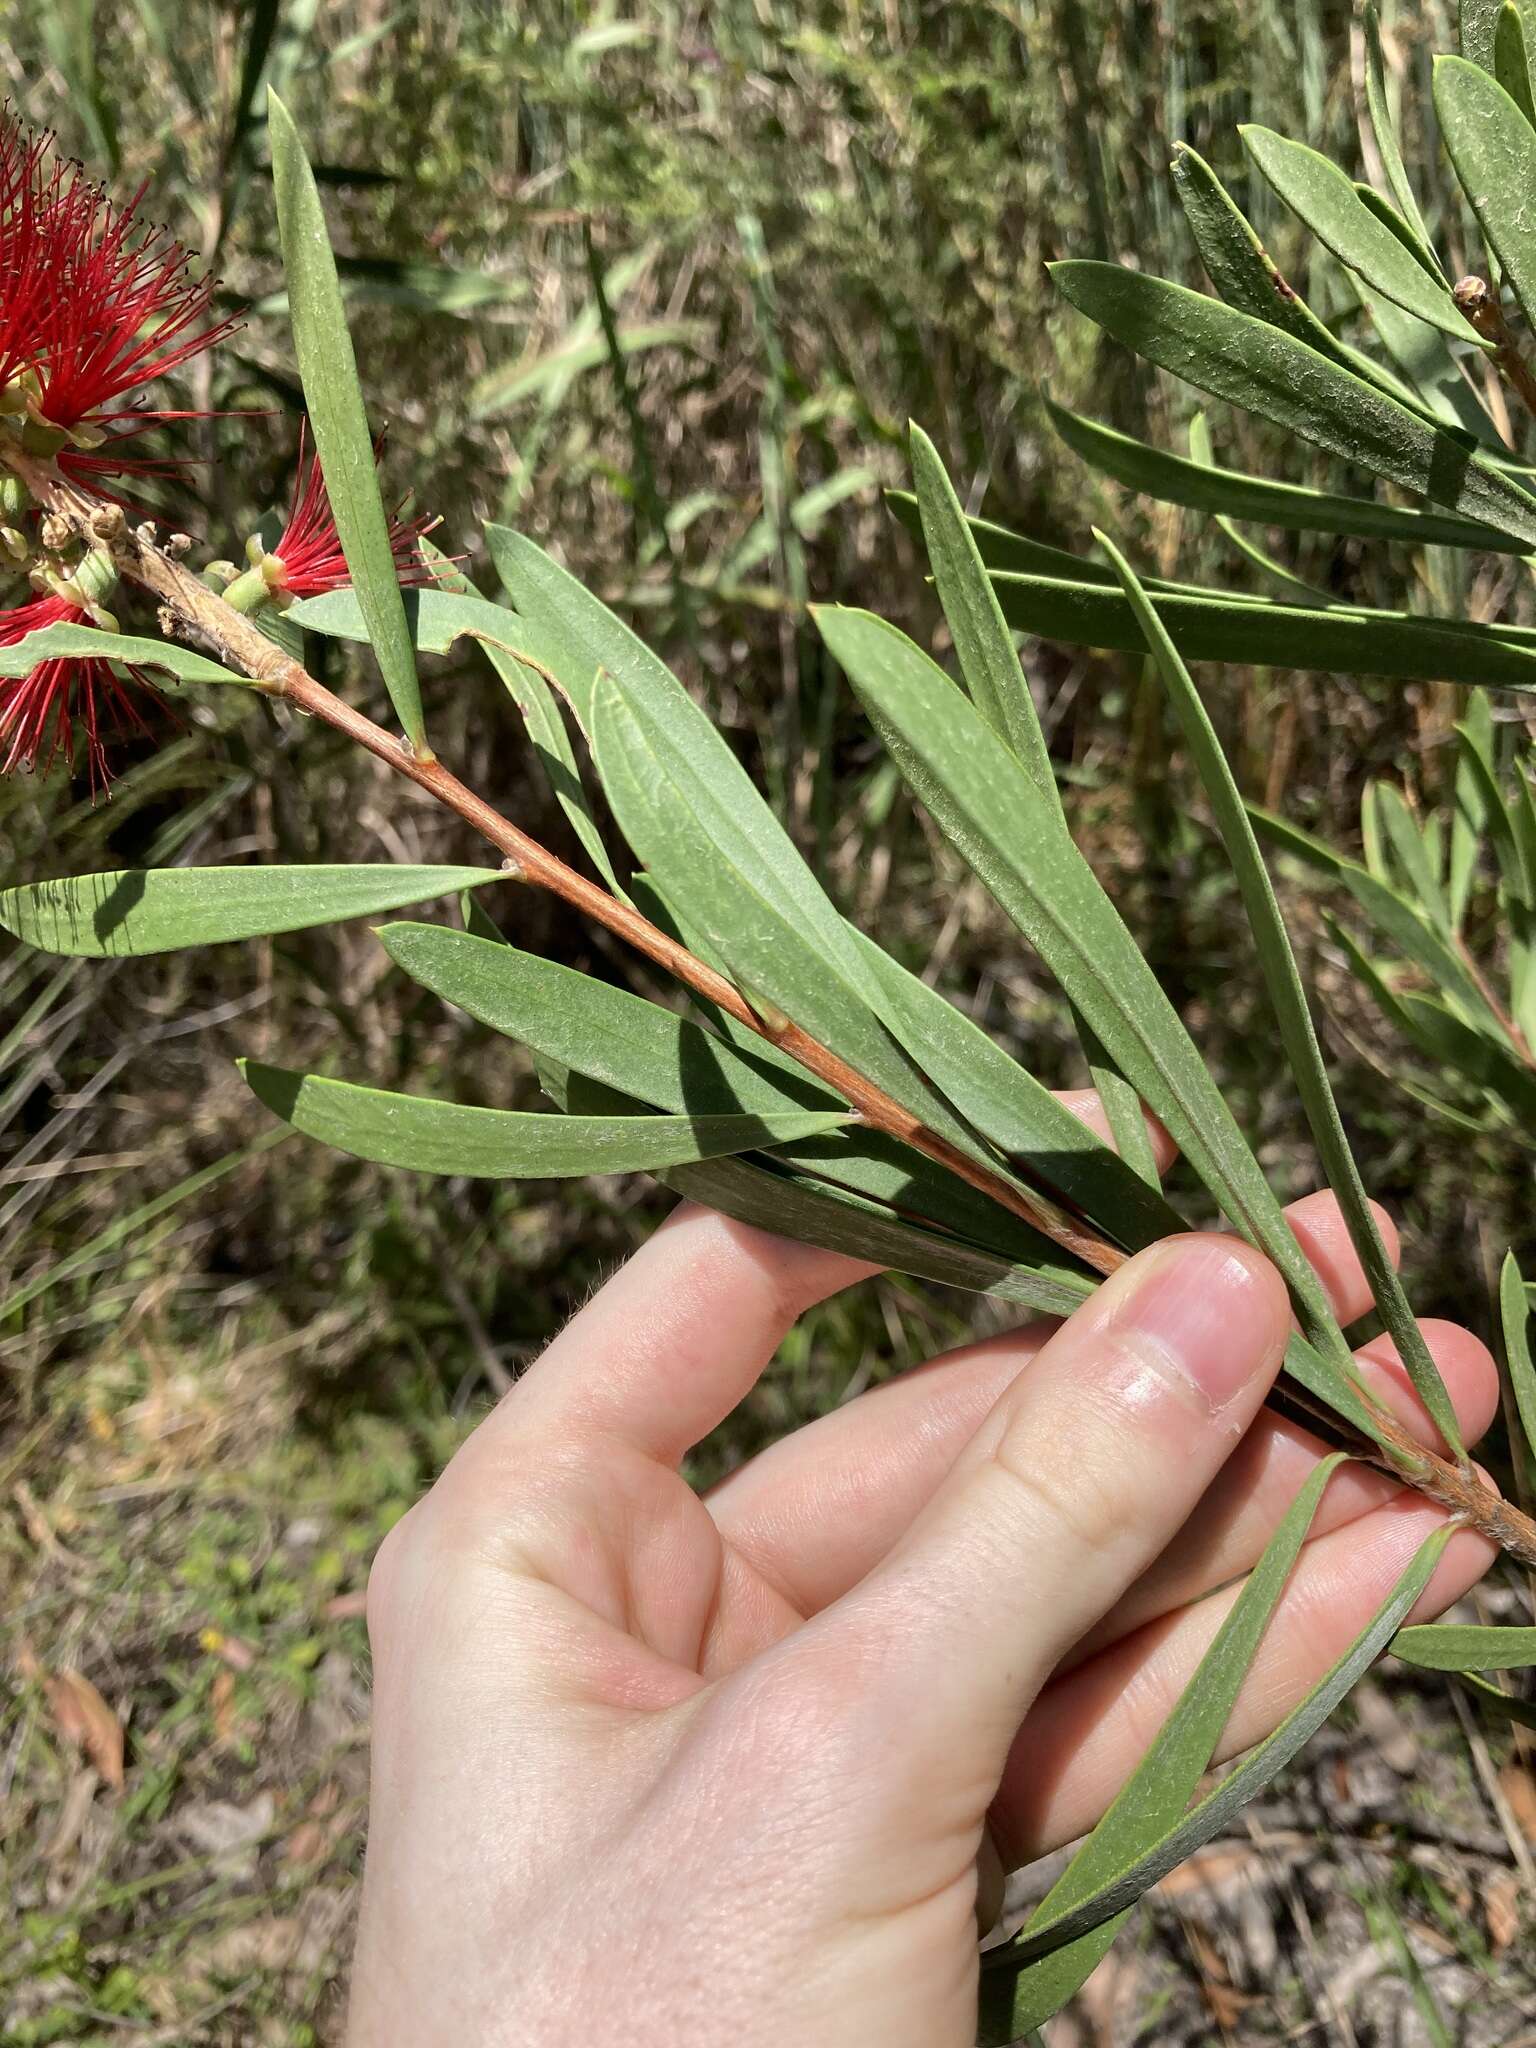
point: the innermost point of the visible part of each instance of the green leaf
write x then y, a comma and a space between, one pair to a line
1456, 1646
1514, 1318
1479, 23
1434, 382
1155, 1796
338, 417
1013, 839
503, 1144
1324, 200
1208, 627
163, 910
1214, 1813
1269, 372
1288, 997
1511, 62
1393, 915
769, 1196
662, 1059
988, 660
1388, 148
697, 822
1034, 1131
1476, 803
1493, 150
1208, 488
1413, 856
1504, 1706
436, 616
67, 643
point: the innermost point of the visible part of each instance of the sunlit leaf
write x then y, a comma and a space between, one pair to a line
162, 910
1493, 148
338, 417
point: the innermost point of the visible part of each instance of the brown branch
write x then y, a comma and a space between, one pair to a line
1477, 300
191, 609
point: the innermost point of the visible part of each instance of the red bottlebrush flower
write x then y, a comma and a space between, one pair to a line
98, 303
310, 548
40, 711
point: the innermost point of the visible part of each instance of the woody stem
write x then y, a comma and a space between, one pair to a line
191, 610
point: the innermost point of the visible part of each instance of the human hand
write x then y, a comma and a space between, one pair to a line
685, 1771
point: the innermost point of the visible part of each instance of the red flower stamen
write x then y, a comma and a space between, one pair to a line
310, 548
41, 711
97, 302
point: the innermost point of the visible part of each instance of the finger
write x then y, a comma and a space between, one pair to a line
817, 1510
680, 1334
1082, 1472
1087, 1731
1085, 1105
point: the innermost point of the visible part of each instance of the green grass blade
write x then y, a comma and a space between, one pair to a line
1012, 837
1269, 372
1324, 200
338, 416
1288, 997
1413, 856
1476, 802
163, 910
1394, 917
984, 645
1493, 151
424, 1136
1155, 1796
131, 1228
1215, 1812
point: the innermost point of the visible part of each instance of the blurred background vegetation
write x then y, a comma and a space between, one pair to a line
663, 285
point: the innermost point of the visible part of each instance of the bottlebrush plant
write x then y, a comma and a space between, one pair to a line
809, 1084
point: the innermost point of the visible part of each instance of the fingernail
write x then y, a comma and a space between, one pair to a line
1210, 1310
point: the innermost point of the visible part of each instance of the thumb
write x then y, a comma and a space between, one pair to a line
1082, 1473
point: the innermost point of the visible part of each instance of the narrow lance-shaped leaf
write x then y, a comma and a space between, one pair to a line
1208, 627
1511, 60
1207, 487
1257, 1769
990, 811
1388, 148
338, 417
67, 643
1459, 1646
1324, 200
1155, 1796
1269, 372
1478, 21
162, 910
761, 1192
670, 1063
1288, 996
1514, 1315
1471, 813
1200, 451
1493, 149
1245, 275
983, 643
501, 1144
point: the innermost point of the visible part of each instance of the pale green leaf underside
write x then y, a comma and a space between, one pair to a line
415, 1132
69, 643
162, 910
1456, 1646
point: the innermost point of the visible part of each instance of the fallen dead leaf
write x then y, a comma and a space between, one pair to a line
82, 1717
221, 1703
346, 1606
1519, 1788
1501, 1907
238, 1655
1217, 1869
232, 1835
